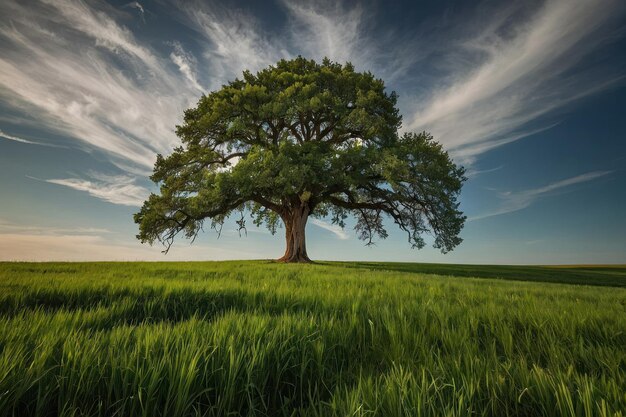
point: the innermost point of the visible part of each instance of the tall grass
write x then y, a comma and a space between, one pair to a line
256, 339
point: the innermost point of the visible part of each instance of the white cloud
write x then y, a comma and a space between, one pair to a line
344, 33
519, 64
328, 29
473, 173
139, 7
529, 69
22, 140
101, 27
333, 228
116, 189
186, 63
79, 73
515, 201
235, 41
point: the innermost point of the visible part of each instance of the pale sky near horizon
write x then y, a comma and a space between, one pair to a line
529, 96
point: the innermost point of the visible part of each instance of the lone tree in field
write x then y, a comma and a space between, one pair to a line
302, 139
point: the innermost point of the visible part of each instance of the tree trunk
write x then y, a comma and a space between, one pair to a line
295, 226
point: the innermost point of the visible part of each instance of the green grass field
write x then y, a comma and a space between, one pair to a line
329, 339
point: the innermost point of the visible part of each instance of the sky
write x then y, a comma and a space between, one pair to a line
528, 96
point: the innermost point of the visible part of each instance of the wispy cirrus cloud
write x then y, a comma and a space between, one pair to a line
82, 73
187, 64
236, 40
139, 7
525, 62
473, 173
333, 228
498, 74
343, 32
329, 29
76, 70
79, 73
22, 140
115, 189
512, 201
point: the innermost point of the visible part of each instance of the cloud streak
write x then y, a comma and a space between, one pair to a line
343, 32
494, 86
515, 201
235, 41
115, 189
186, 63
138, 6
329, 29
79, 73
27, 141
333, 228
529, 68
238, 41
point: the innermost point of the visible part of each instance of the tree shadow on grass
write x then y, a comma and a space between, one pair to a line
152, 305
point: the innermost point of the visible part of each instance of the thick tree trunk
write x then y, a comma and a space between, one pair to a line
295, 226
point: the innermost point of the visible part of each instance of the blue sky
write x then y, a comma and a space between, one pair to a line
528, 96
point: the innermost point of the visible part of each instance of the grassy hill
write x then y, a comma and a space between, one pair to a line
330, 339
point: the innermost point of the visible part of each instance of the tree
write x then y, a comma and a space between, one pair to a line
302, 139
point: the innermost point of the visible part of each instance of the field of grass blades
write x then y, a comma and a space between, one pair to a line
257, 338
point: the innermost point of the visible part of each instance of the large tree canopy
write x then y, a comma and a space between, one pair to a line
302, 139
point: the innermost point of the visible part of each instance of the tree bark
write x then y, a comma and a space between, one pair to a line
295, 226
